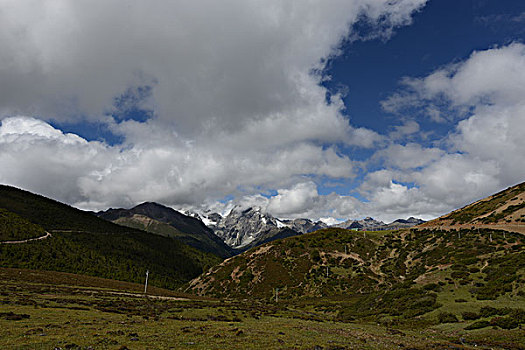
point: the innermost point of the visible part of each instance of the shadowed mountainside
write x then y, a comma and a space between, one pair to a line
159, 219
85, 244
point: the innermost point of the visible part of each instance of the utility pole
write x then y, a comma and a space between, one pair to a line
146, 284
276, 295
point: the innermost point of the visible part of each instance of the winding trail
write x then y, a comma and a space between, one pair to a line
47, 235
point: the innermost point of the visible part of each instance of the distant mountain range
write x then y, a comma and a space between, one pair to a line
242, 229
238, 231
369, 224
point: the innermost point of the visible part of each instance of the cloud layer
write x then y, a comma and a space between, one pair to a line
234, 105
232, 90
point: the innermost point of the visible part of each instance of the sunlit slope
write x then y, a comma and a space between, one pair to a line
504, 210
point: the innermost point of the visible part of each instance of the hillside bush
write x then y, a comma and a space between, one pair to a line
447, 317
504, 322
468, 315
478, 325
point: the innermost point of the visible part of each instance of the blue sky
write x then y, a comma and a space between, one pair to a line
445, 31
330, 109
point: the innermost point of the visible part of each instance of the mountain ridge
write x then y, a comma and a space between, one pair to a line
245, 228
157, 218
504, 210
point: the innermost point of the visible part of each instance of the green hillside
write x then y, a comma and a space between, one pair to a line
14, 227
83, 243
52, 215
392, 275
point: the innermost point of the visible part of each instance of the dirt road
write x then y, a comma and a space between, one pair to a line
47, 235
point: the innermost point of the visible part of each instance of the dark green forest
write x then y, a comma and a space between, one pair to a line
85, 244
14, 227
118, 256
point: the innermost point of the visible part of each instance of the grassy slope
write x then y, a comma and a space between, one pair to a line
504, 207
72, 281
14, 227
53, 215
385, 275
43, 315
96, 247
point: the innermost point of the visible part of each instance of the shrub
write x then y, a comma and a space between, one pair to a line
433, 287
478, 325
316, 257
447, 317
504, 322
459, 274
518, 315
487, 311
468, 315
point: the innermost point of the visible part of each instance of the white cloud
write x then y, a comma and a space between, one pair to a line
234, 92
484, 152
40, 158
493, 76
217, 65
411, 155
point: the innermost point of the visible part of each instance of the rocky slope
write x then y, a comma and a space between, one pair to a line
244, 229
159, 219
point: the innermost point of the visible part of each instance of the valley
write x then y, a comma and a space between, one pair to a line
442, 284
53, 310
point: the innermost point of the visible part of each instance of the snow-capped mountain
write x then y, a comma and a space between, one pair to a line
245, 228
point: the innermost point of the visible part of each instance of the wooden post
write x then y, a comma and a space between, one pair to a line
146, 284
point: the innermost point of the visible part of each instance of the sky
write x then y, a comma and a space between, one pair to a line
328, 109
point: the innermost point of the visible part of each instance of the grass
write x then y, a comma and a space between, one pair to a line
92, 315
